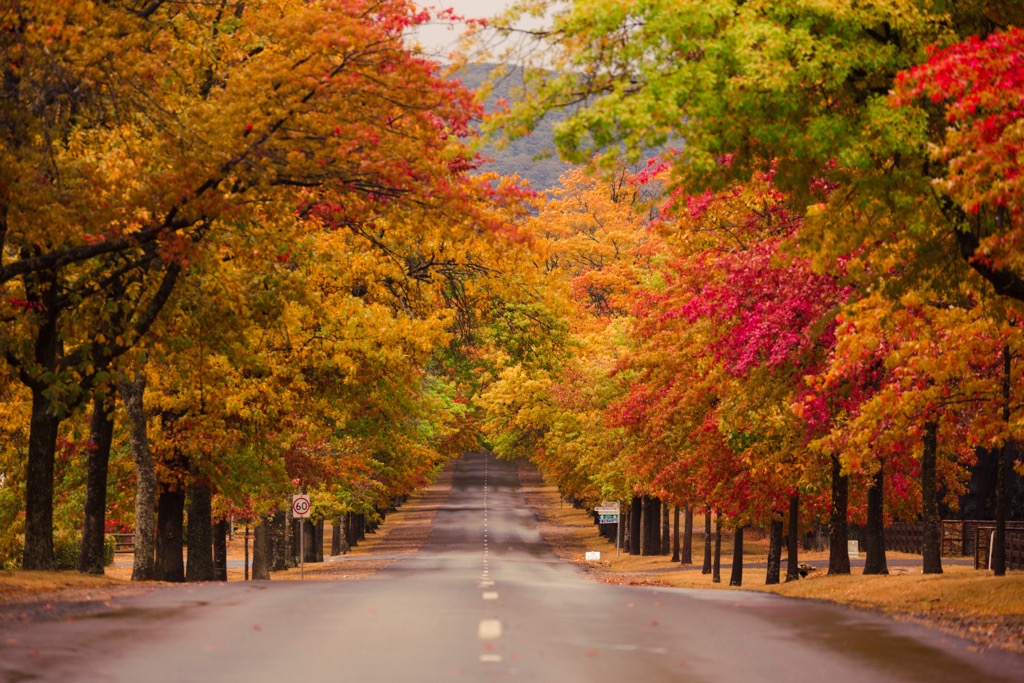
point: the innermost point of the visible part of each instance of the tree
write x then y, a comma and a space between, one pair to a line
133, 134
976, 85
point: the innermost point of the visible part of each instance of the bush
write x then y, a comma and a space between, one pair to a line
108, 550
67, 546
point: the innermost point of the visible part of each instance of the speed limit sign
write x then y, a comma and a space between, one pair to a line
300, 505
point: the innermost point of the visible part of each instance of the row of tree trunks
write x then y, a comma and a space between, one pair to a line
645, 529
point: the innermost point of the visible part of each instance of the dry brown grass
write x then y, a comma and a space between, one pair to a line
970, 603
17, 582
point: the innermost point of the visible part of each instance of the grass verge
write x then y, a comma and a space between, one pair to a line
969, 603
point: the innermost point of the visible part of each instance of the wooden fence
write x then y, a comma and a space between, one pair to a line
960, 538
1014, 547
124, 543
904, 537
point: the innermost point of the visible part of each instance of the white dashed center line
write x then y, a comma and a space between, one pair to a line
489, 629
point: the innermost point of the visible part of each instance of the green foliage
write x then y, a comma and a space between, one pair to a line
67, 546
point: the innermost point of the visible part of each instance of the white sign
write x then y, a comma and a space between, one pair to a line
593, 556
300, 505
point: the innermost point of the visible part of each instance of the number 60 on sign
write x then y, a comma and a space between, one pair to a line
300, 505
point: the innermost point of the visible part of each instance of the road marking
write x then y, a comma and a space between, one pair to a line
489, 629
492, 659
485, 583
490, 595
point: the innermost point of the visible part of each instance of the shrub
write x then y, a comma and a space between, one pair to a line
67, 545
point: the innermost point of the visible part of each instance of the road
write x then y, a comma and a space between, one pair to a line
484, 600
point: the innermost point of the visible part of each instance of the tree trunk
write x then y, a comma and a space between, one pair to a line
635, 524
91, 558
309, 549
260, 552
336, 536
294, 529
666, 533
774, 552
279, 540
1003, 476
793, 541
838, 534
200, 534
346, 530
706, 569
246, 541
144, 562
874, 532
42, 441
170, 565
646, 540
716, 572
929, 505
652, 526
675, 533
686, 555
42, 449
318, 541
220, 550
1007, 455
736, 579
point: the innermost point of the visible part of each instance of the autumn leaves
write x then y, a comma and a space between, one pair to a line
256, 223
828, 299
259, 225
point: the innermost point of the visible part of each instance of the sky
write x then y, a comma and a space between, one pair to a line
440, 40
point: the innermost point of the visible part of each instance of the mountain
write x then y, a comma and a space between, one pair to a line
532, 157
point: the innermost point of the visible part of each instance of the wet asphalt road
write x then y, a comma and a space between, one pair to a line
484, 600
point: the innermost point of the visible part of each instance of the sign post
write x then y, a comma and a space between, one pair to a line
301, 509
608, 513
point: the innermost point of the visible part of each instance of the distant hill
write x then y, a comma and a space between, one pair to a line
519, 156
